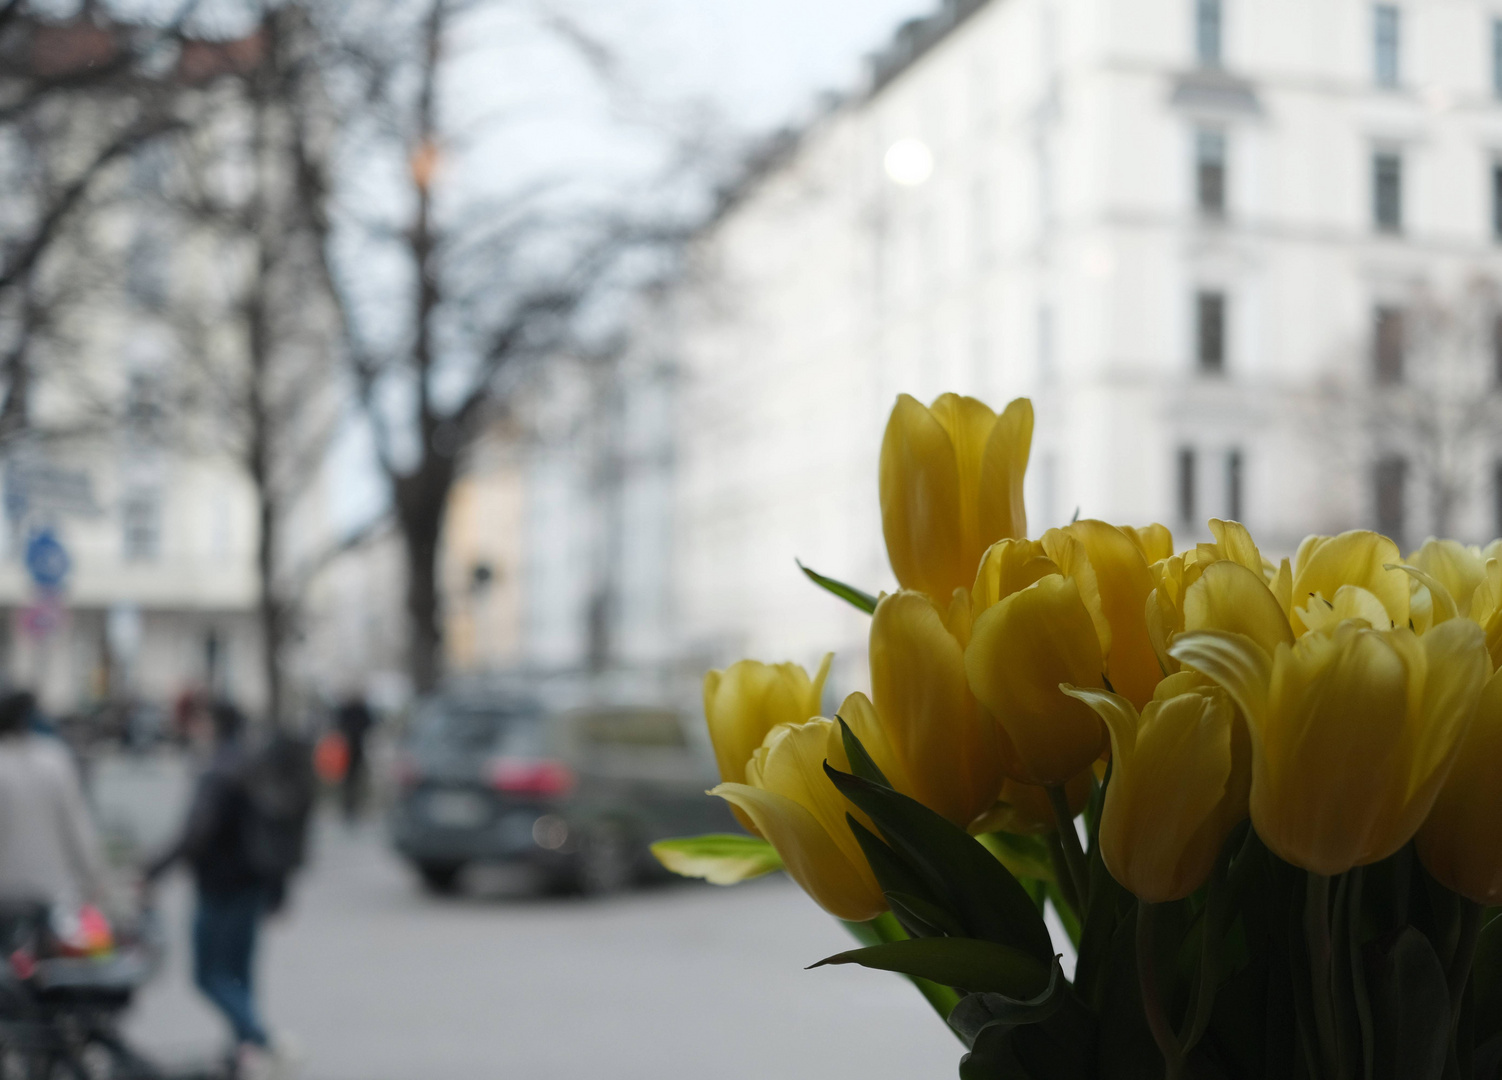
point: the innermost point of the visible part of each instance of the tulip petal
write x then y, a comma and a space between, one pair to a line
1228, 596
1442, 601
921, 696
970, 424
1154, 541
1001, 509
810, 854
1353, 558
1236, 544
1125, 582
1235, 662
1458, 568
1460, 843
921, 502
1008, 565
1021, 649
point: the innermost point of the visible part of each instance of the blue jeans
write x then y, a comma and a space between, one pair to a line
224, 947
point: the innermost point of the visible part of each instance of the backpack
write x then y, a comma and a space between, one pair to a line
280, 787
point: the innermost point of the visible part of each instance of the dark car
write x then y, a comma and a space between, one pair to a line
578, 795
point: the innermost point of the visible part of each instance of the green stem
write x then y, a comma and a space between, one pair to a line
1465, 951
1074, 855
1317, 937
1152, 1003
1211, 930
1063, 874
1358, 973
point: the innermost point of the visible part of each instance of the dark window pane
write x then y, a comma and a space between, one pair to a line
1387, 191
1497, 57
1391, 475
1385, 28
1497, 201
1210, 171
1186, 484
1497, 499
1210, 331
1388, 346
1233, 485
1207, 31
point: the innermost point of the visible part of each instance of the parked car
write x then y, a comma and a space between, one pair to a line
576, 794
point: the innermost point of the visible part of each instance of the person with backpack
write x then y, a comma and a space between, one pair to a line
242, 838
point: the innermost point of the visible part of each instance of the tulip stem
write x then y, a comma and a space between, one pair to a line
1321, 969
1152, 1004
1069, 839
1465, 951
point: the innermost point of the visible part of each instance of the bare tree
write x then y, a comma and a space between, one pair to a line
482, 287
257, 332
1424, 412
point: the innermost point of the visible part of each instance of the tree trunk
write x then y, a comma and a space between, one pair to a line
270, 609
420, 498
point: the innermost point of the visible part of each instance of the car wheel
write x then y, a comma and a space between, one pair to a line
441, 879
605, 862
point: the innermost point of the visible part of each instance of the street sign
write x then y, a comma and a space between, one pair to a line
43, 617
47, 561
35, 484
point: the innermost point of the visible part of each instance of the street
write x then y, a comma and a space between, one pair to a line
372, 980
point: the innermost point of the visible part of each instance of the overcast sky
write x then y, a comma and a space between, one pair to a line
761, 60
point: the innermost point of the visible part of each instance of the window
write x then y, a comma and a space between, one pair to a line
1497, 201
1210, 331
1497, 353
1210, 172
1387, 345
141, 525
1233, 485
1390, 478
1385, 44
1207, 27
1387, 191
1497, 57
1186, 484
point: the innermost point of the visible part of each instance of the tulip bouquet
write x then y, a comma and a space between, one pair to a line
1263, 800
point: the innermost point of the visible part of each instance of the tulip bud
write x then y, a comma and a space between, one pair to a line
947, 751
951, 485
1461, 842
1176, 576
1180, 772
1353, 731
747, 700
795, 807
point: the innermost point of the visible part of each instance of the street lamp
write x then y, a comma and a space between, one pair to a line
908, 162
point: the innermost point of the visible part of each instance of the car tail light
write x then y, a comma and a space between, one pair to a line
529, 776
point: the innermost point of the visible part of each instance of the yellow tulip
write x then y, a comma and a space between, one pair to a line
1358, 562
1025, 809
947, 752
951, 485
1461, 842
1176, 576
1124, 582
1021, 648
1180, 774
749, 699
795, 807
1353, 731
1459, 569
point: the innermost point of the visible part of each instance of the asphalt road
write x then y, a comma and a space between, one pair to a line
373, 980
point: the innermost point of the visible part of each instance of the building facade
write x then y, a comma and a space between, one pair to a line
1239, 255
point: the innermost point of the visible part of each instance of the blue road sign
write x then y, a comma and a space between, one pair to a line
47, 561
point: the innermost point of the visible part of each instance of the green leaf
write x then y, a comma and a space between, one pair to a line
959, 873
1023, 856
967, 963
980, 1010
1410, 1008
883, 928
923, 916
719, 858
849, 593
860, 761
892, 873
991, 1057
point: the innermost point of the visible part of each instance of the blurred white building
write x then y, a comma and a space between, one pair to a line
1198, 233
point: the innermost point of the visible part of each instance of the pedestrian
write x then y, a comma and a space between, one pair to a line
49, 849
232, 895
353, 720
